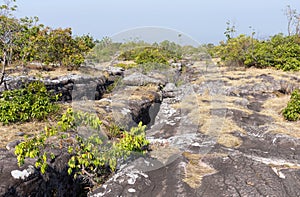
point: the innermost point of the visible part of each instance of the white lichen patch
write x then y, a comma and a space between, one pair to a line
131, 190
17, 174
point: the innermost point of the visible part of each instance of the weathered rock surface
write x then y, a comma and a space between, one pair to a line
213, 132
28, 181
139, 79
71, 87
218, 134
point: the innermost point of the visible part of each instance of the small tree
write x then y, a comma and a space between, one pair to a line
293, 21
9, 28
230, 30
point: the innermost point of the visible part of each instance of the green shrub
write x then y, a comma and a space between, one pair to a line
281, 52
142, 55
91, 157
150, 55
31, 102
34, 147
134, 140
234, 51
292, 111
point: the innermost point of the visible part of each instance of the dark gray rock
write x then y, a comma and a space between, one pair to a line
28, 181
76, 87
191, 163
139, 79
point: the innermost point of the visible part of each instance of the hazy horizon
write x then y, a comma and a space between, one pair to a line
203, 21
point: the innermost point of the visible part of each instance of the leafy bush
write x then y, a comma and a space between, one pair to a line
135, 140
91, 157
31, 102
34, 147
292, 111
281, 52
234, 50
150, 55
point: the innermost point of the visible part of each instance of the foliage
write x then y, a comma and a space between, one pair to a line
153, 54
25, 40
9, 29
230, 30
150, 55
234, 50
138, 51
57, 47
103, 51
126, 66
34, 147
292, 110
91, 157
280, 52
31, 102
133, 140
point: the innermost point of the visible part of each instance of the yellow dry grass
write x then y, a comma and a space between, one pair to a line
198, 109
10, 132
143, 92
195, 170
273, 107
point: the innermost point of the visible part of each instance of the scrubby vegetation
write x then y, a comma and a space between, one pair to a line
91, 157
25, 40
137, 51
33, 102
292, 111
279, 51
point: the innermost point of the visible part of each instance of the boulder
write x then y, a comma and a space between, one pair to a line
139, 79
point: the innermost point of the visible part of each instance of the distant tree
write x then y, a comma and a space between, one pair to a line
9, 28
230, 30
25, 41
293, 21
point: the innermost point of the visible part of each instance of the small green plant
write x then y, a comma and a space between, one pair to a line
292, 111
134, 140
116, 83
126, 66
114, 131
91, 157
34, 147
31, 102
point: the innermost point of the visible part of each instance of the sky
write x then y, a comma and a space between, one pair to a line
202, 21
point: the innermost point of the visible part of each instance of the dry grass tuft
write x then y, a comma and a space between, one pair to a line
273, 107
195, 170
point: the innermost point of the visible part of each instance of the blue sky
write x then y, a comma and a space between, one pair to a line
204, 21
